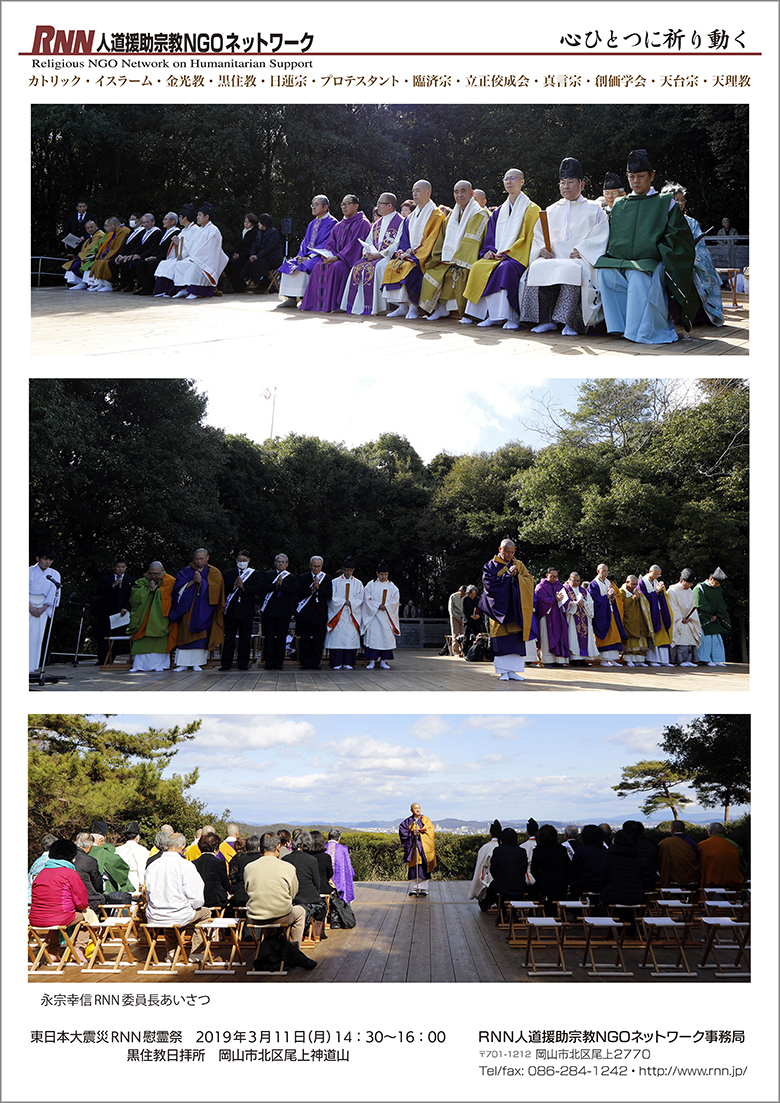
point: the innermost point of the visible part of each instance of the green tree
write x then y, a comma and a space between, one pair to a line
657, 779
714, 750
81, 769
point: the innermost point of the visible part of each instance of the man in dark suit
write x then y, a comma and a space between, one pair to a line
129, 246
266, 254
280, 590
242, 587
315, 590
113, 596
145, 268
76, 221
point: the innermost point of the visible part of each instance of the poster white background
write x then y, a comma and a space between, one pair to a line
393, 1070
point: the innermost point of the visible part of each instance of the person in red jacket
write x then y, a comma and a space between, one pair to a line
59, 897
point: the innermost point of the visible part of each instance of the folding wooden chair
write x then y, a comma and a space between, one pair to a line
219, 965
39, 953
613, 931
657, 932
519, 911
265, 929
111, 933
741, 933
535, 941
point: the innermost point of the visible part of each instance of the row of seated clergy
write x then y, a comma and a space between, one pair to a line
122, 257
578, 264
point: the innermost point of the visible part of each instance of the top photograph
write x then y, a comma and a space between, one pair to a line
575, 230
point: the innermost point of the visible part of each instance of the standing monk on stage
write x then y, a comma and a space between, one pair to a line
508, 600
150, 629
416, 833
198, 603
607, 617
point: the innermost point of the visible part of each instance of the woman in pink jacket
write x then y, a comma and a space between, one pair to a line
59, 897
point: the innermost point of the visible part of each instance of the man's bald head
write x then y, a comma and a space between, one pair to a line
421, 192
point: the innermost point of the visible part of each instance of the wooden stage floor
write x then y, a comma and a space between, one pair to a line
73, 323
440, 939
413, 670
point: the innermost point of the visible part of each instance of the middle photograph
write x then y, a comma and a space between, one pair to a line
222, 534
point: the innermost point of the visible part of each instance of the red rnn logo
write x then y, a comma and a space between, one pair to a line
50, 41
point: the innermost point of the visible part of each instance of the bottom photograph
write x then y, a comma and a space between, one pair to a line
442, 848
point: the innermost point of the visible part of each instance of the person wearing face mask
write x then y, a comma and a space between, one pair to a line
560, 285
242, 586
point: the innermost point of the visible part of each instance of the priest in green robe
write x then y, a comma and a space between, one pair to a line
457, 248
714, 619
650, 255
153, 635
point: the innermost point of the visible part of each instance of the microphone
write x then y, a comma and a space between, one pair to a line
54, 580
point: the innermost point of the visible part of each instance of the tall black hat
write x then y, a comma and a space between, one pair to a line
349, 562
638, 161
718, 575
570, 169
687, 575
206, 208
188, 211
382, 566
612, 182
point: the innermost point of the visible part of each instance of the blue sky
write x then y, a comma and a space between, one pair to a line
348, 768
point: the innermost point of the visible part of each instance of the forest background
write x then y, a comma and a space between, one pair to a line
274, 157
639, 473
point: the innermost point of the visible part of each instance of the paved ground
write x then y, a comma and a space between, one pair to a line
412, 671
76, 323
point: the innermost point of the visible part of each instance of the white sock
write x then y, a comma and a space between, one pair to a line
488, 322
439, 312
466, 321
196, 668
399, 312
180, 295
338, 667
347, 668
515, 677
567, 331
383, 665
545, 327
371, 665
511, 325
504, 677
411, 314
192, 296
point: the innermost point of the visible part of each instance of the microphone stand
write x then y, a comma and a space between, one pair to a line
81, 625
42, 678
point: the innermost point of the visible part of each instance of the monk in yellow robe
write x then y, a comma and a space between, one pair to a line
416, 833
456, 250
100, 276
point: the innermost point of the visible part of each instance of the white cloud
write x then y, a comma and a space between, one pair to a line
639, 740
243, 733
428, 727
497, 758
498, 727
364, 754
302, 784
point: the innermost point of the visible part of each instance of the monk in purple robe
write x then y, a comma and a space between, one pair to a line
196, 606
327, 281
295, 271
550, 604
343, 873
507, 598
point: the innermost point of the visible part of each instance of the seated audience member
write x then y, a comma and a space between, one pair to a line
100, 276
705, 275
472, 618
622, 879
134, 853
118, 262
271, 887
82, 261
589, 862
145, 268
39, 862
237, 868
482, 875
197, 275
678, 858
560, 285
308, 873
59, 898
455, 252
650, 255
193, 851
571, 839
295, 271
266, 254
319, 851
174, 895
89, 872
178, 250
550, 868
133, 271
213, 871
481, 198
113, 867
160, 845
285, 841
508, 868
341, 251
241, 252
343, 873
613, 189
494, 279
722, 863
227, 848
647, 853
363, 290
407, 207
403, 276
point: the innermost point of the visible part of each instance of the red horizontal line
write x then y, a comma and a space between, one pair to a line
606, 53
